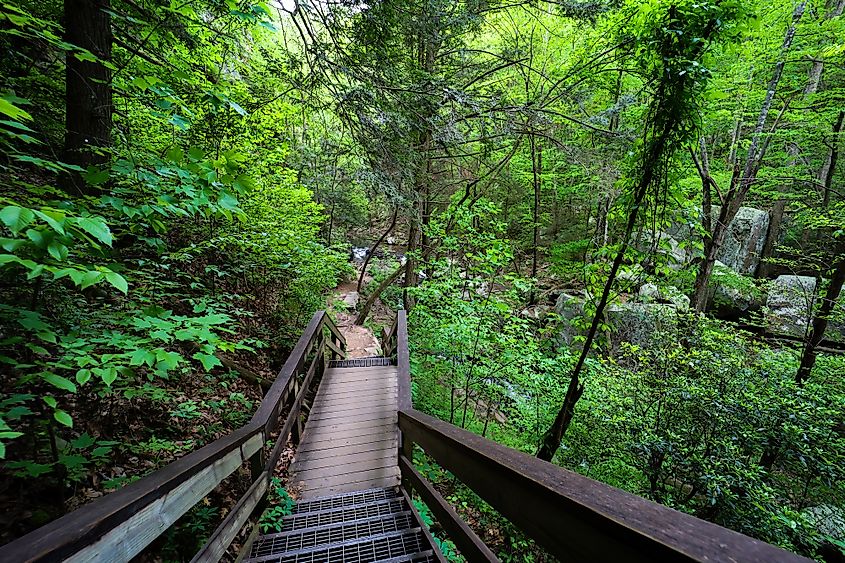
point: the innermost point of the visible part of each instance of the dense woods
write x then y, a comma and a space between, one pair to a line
618, 228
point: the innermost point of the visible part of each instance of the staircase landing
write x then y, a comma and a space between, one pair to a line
351, 439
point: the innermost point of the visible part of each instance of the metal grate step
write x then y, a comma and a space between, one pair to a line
374, 525
384, 547
347, 499
374, 361
333, 533
345, 514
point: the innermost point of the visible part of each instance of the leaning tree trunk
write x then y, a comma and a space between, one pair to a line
373, 249
821, 320
88, 95
365, 310
664, 129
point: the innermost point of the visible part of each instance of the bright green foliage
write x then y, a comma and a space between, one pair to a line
196, 238
281, 505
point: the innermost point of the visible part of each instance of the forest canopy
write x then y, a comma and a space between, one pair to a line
617, 226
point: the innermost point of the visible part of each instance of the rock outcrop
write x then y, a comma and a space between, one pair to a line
790, 304
744, 240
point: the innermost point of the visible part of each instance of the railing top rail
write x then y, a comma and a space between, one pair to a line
76, 530
575, 517
270, 404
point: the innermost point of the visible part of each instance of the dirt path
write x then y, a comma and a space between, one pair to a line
360, 341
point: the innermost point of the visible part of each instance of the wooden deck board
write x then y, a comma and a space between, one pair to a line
342, 450
351, 437
381, 404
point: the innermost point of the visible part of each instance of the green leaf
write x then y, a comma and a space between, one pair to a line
96, 227
96, 177
16, 218
179, 122
57, 250
89, 278
108, 376
100, 451
53, 218
11, 244
142, 356
117, 281
84, 441
50, 402
208, 361
13, 111
58, 381
83, 375
63, 417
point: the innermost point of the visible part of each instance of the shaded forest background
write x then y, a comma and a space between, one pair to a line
618, 228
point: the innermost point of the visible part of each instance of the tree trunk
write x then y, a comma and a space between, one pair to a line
365, 310
820, 321
537, 169
410, 274
88, 94
740, 185
829, 168
375, 247
775, 219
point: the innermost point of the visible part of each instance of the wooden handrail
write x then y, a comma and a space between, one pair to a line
120, 525
572, 516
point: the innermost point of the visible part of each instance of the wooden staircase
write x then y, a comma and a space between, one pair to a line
358, 441
362, 527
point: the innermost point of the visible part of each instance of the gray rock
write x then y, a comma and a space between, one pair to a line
351, 299
744, 240
650, 293
640, 323
633, 273
666, 245
729, 300
790, 304
827, 519
569, 307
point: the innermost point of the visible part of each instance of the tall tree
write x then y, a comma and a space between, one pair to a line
88, 95
674, 65
743, 179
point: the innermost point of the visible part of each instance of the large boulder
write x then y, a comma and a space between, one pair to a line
828, 520
640, 323
744, 240
663, 244
650, 293
733, 296
570, 308
790, 304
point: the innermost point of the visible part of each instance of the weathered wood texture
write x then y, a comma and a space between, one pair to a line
467, 542
576, 518
351, 436
120, 525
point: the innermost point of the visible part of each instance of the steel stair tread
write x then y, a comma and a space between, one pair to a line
334, 525
357, 547
344, 514
302, 505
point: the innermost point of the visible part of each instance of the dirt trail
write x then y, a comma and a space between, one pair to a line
360, 341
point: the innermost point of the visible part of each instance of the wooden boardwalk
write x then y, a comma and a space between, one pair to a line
351, 439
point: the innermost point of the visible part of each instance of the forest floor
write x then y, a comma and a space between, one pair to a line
360, 340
